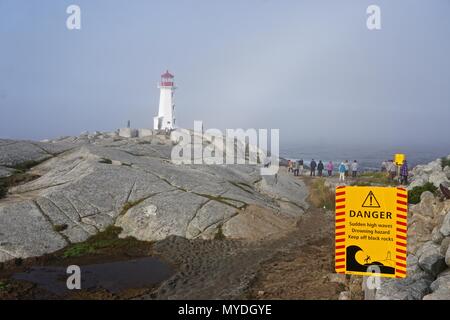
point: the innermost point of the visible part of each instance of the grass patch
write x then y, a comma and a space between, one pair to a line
97, 243
373, 178
219, 234
445, 162
27, 165
3, 189
14, 180
321, 196
104, 160
60, 227
4, 286
130, 204
243, 186
223, 200
416, 192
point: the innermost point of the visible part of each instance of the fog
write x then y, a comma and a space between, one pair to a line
309, 68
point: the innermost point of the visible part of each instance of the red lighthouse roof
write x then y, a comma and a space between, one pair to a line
167, 75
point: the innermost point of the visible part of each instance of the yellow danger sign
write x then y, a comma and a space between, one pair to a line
399, 159
371, 227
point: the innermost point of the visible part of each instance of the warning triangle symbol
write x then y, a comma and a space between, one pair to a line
371, 201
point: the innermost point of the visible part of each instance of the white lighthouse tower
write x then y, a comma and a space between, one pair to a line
165, 119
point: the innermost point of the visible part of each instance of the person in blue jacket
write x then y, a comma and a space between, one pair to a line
342, 171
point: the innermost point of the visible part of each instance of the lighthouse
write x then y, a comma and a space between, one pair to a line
165, 119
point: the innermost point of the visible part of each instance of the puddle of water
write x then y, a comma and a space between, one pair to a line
112, 276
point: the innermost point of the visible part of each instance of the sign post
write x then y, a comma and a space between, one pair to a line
399, 159
371, 230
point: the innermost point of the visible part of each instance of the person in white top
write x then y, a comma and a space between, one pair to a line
354, 168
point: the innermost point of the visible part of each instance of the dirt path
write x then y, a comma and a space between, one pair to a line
300, 270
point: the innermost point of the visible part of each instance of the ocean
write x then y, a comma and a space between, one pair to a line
369, 158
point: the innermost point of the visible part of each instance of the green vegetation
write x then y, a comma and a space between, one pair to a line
414, 194
322, 196
373, 178
60, 227
27, 165
145, 142
3, 189
219, 235
17, 178
104, 160
225, 200
4, 286
103, 240
445, 162
243, 186
130, 204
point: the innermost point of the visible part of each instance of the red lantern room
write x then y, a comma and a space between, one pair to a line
167, 79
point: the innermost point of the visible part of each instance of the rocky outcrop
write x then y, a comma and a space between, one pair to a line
89, 182
428, 261
431, 172
414, 287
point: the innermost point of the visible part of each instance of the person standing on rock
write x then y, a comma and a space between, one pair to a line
342, 172
354, 168
392, 170
347, 168
320, 168
404, 173
289, 166
384, 166
296, 168
300, 166
330, 168
313, 166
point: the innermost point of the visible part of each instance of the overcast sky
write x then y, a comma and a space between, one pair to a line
310, 68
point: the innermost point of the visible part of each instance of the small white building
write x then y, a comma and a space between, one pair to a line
165, 119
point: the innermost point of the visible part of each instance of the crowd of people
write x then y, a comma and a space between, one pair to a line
395, 171
345, 168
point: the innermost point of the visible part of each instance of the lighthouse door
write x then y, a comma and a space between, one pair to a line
160, 120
